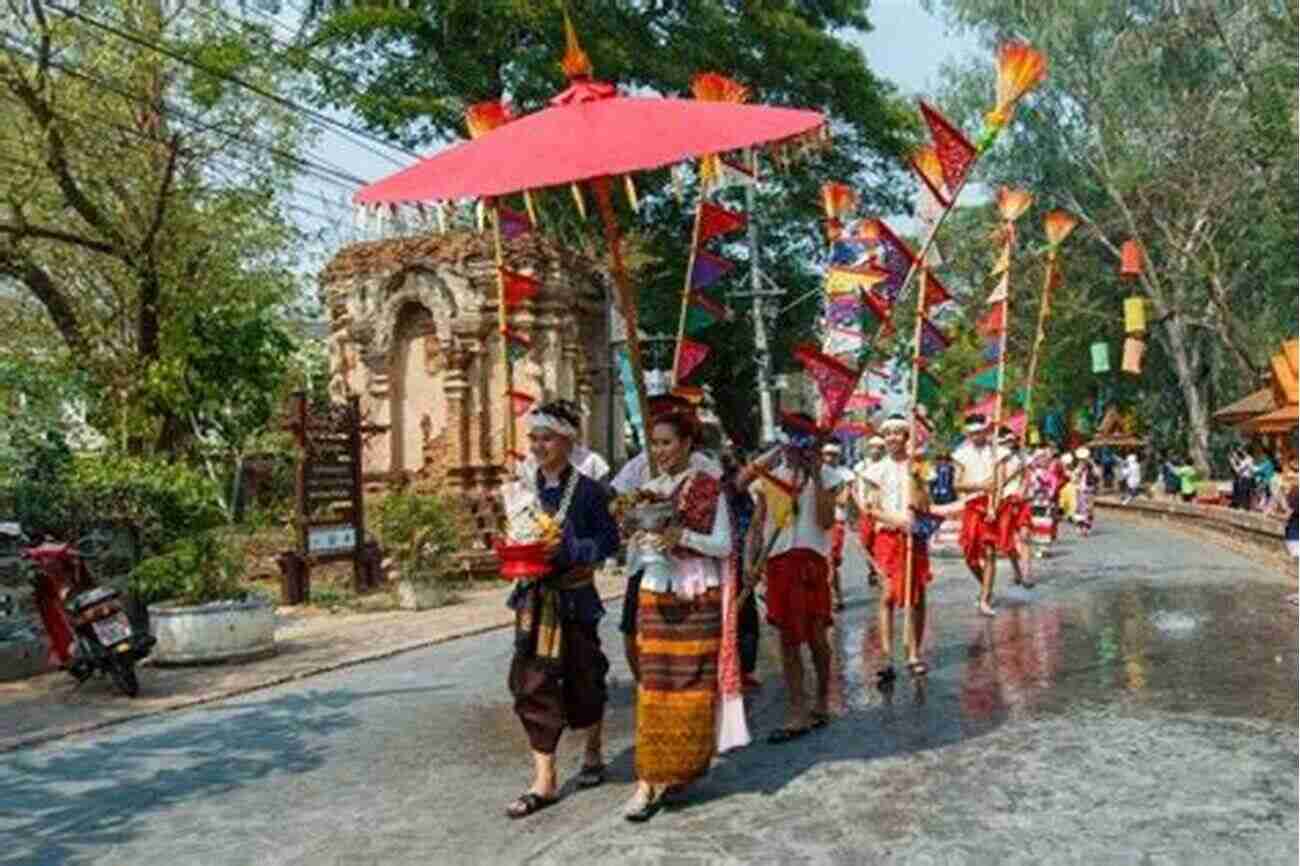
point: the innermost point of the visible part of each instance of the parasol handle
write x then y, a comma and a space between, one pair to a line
627, 304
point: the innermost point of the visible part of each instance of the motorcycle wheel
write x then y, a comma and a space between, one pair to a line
123, 674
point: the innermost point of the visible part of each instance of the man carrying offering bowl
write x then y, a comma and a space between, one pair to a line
557, 675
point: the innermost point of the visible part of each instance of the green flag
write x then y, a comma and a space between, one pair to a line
927, 388
986, 378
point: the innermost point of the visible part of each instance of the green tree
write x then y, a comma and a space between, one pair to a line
409, 71
1172, 124
142, 209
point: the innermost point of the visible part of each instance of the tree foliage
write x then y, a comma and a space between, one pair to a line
1172, 124
138, 218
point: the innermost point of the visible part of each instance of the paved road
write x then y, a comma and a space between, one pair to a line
1140, 707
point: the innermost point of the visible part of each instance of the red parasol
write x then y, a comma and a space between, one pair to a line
590, 133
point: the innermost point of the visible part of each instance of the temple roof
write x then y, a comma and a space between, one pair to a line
1249, 406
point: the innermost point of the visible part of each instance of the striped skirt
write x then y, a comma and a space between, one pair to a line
677, 644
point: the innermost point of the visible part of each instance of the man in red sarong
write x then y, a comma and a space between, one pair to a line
796, 510
977, 461
867, 520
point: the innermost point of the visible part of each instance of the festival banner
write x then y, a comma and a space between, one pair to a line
861, 401
992, 322
933, 340
847, 252
992, 349
985, 407
707, 269
835, 380
845, 310
518, 287
521, 402
984, 377
842, 341
954, 152
628, 379
517, 343
513, 223
690, 355
896, 259
716, 220
999, 293
844, 280
704, 312
927, 388
935, 293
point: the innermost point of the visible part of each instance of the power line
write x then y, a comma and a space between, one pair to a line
336, 176
324, 120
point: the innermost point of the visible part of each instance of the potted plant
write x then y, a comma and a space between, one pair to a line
422, 532
199, 610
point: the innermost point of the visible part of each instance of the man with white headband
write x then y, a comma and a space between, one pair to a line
557, 675
796, 510
901, 505
977, 461
586, 461
866, 520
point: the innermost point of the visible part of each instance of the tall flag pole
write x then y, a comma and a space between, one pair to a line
1057, 225
1020, 69
1012, 204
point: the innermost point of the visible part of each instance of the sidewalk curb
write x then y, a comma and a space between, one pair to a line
210, 697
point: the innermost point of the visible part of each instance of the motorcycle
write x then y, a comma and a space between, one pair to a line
87, 627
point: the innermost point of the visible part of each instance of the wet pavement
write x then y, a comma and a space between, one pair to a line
1139, 707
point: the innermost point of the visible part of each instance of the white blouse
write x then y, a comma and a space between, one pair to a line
685, 576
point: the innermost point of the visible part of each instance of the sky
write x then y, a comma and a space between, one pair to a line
907, 47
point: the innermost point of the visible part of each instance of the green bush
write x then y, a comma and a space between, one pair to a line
422, 532
166, 502
196, 570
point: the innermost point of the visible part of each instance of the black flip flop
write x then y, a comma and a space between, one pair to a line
885, 675
527, 804
785, 735
591, 776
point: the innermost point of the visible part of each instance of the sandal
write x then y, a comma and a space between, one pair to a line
819, 719
785, 735
591, 775
639, 810
885, 675
918, 668
528, 803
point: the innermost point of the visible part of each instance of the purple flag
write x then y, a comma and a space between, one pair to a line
708, 269
933, 340
844, 310
992, 349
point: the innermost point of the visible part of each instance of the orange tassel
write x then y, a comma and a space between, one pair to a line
1012, 203
838, 199
712, 87
1058, 224
576, 63
1021, 68
483, 117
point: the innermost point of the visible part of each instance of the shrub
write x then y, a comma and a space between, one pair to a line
196, 570
422, 532
166, 502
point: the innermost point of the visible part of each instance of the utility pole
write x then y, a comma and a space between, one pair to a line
756, 292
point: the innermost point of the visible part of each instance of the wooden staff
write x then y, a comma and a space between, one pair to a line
686, 289
507, 368
1039, 337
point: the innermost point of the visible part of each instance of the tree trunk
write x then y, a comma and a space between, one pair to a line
1198, 426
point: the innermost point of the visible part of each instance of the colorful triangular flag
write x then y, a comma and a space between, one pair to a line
993, 321
844, 310
517, 343
862, 401
708, 269
517, 287
935, 293
992, 349
704, 312
690, 354
716, 220
896, 259
933, 340
985, 407
956, 154
513, 223
999, 292
1016, 423
842, 280
842, 341
835, 379
1003, 264
927, 387
847, 252
521, 402
985, 377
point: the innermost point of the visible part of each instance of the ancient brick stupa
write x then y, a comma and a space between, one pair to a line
414, 333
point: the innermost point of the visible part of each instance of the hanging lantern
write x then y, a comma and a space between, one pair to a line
1135, 315
1100, 357
1130, 259
1133, 351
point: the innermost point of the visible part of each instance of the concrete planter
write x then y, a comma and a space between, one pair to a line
412, 595
222, 631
